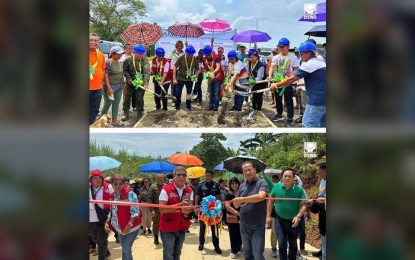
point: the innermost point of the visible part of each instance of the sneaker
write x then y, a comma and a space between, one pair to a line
233, 256
200, 247
274, 253
277, 118
289, 123
217, 250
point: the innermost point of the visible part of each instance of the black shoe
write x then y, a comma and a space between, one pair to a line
201, 247
187, 231
277, 118
289, 123
117, 240
232, 109
125, 117
217, 250
317, 254
156, 240
139, 115
108, 255
149, 231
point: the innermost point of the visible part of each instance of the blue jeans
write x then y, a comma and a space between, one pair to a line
286, 233
239, 100
126, 244
179, 89
253, 240
94, 103
172, 244
214, 94
115, 104
314, 116
323, 245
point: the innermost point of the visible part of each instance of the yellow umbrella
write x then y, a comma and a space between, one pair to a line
195, 172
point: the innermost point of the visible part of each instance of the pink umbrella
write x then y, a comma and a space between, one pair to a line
186, 30
212, 25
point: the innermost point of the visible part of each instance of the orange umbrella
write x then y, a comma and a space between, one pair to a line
185, 159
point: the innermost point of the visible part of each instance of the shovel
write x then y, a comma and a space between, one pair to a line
157, 95
167, 96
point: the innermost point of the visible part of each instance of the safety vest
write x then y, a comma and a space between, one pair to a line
155, 70
211, 65
173, 222
123, 212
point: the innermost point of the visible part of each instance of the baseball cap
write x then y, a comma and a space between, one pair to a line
132, 182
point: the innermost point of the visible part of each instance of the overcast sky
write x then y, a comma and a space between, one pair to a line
277, 18
160, 144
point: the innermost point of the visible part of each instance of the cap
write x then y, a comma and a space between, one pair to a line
231, 54
190, 50
207, 50
283, 42
307, 46
132, 182
117, 49
160, 52
252, 52
140, 49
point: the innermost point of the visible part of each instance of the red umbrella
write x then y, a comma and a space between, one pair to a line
212, 25
186, 30
142, 33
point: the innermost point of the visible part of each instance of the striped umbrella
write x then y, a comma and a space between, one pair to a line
212, 25
142, 33
186, 30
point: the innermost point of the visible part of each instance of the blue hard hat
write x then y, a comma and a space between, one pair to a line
283, 42
190, 50
160, 52
307, 46
207, 50
252, 52
140, 49
231, 54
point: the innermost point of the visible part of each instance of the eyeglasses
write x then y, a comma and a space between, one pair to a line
117, 184
181, 175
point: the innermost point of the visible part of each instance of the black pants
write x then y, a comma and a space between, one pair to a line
288, 99
100, 237
198, 88
139, 94
92, 244
215, 239
158, 90
134, 99
235, 237
257, 98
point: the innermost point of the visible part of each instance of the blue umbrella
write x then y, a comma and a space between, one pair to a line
251, 36
103, 163
314, 13
219, 167
157, 167
317, 31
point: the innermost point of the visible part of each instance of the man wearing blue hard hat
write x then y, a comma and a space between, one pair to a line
135, 67
313, 71
285, 63
212, 64
256, 70
160, 68
185, 72
239, 79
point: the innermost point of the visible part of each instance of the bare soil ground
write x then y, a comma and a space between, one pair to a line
200, 116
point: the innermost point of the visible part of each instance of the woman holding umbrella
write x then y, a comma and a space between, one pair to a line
125, 220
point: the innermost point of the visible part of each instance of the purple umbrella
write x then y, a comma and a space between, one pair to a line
314, 13
251, 36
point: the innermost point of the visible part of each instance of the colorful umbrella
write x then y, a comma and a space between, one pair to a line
314, 13
103, 163
157, 167
317, 31
186, 30
142, 33
195, 172
219, 167
185, 159
212, 25
234, 164
251, 36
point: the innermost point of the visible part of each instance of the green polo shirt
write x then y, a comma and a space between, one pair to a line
287, 209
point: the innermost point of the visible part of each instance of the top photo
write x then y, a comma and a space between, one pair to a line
170, 64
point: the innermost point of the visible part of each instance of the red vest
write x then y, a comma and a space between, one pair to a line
173, 222
212, 65
123, 212
155, 70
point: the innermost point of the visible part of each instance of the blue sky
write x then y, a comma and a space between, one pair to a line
160, 144
277, 18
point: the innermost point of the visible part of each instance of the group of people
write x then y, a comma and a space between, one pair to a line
248, 207
128, 71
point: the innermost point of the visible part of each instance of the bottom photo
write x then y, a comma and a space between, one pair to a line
207, 196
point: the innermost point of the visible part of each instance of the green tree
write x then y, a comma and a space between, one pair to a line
109, 18
210, 150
